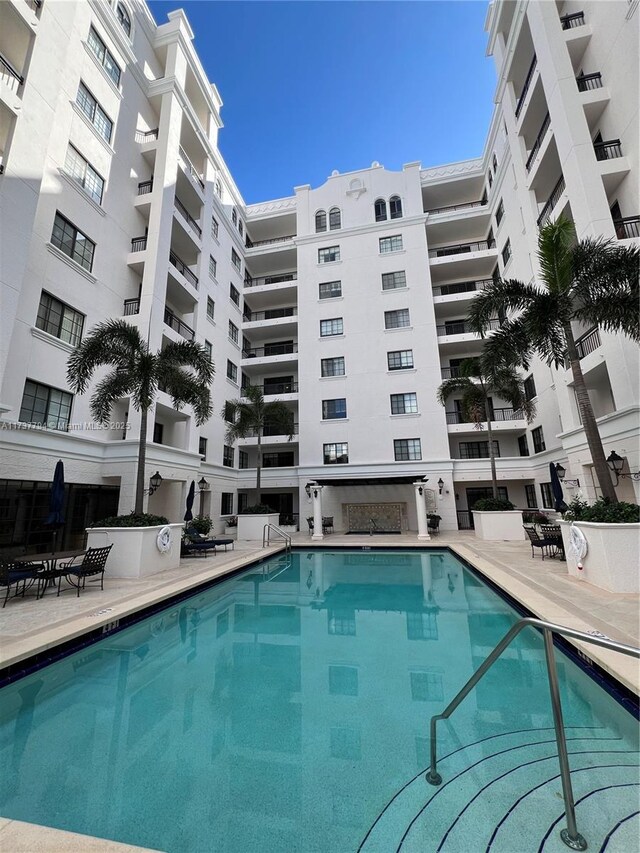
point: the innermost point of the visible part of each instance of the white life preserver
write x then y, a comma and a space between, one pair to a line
163, 540
577, 544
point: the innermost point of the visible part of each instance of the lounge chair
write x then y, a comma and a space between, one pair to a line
538, 542
93, 563
195, 538
14, 574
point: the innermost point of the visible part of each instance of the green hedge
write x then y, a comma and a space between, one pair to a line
257, 509
603, 511
132, 520
493, 505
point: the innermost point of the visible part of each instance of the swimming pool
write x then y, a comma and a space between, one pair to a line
287, 709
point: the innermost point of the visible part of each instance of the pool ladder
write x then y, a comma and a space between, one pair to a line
268, 529
570, 835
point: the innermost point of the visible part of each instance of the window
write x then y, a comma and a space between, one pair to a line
211, 307
241, 227
208, 349
532, 500
321, 221
243, 459
343, 680
235, 260
490, 179
214, 227
94, 112
84, 174
329, 289
495, 162
380, 209
538, 440
217, 188
405, 449
404, 404
234, 216
226, 503
335, 454
401, 359
45, 406
104, 57
523, 446
395, 207
59, 319
335, 219
233, 332
213, 266
234, 295
202, 447
396, 319
499, 212
332, 366
229, 412
506, 252
477, 449
123, 18
331, 327
328, 256
547, 496
158, 433
529, 388
426, 686
334, 409
390, 244
232, 371
341, 621
72, 242
394, 280
227, 456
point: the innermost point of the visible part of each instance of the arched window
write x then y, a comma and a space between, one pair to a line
123, 17
321, 221
395, 207
380, 207
334, 219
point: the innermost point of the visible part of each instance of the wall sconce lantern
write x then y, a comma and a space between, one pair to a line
616, 463
203, 485
561, 471
420, 490
154, 483
440, 485
309, 488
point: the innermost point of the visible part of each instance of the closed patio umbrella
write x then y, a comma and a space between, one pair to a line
556, 489
55, 519
190, 496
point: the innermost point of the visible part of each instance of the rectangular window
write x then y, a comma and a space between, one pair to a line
232, 371
343, 680
211, 308
94, 112
477, 449
59, 319
234, 216
547, 496
538, 440
404, 404
45, 406
84, 174
530, 492
523, 445
229, 414
333, 409
233, 332
213, 266
234, 295
332, 366
327, 256
235, 260
506, 253
158, 433
104, 56
330, 289
331, 327
406, 449
202, 447
227, 456
426, 686
529, 388
226, 503
341, 621
243, 459
499, 212
335, 454
72, 242
401, 359
394, 280
209, 350
214, 227
390, 244
396, 319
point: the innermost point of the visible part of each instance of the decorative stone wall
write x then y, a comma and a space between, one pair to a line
380, 517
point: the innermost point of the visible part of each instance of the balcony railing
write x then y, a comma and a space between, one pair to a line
589, 81
608, 150
589, 342
462, 248
270, 279
139, 244
131, 306
146, 135
462, 327
7, 70
553, 199
627, 228
177, 325
496, 415
461, 287
450, 372
568, 22
269, 349
453, 207
277, 388
270, 430
190, 168
271, 314
525, 88
175, 261
185, 213
539, 138
251, 244
145, 187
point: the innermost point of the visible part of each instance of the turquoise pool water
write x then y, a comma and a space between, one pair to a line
287, 709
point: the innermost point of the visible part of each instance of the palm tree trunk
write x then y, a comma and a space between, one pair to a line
142, 460
259, 464
492, 458
589, 424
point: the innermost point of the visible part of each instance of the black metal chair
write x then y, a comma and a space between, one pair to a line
537, 541
553, 533
14, 574
93, 563
310, 523
433, 524
327, 524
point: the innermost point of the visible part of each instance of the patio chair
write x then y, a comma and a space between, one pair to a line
433, 524
537, 541
93, 563
310, 523
14, 574
327, 524
553, 533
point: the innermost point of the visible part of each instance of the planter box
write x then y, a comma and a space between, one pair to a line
135, 553
250, 527
611, 561
504, 526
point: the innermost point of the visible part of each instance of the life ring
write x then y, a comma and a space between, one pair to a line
577, 544
163, 540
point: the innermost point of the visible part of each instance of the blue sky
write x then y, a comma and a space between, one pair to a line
309, 87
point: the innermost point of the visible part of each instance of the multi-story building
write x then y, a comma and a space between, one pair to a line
348, 302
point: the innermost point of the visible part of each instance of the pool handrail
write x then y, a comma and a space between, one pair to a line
571, 837
266, 536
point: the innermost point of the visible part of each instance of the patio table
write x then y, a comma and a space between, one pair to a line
49, 560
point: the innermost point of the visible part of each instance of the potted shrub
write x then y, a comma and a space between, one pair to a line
252, 519
612, 534
143, 544
497, 520
534, 516
202, 524
231, 525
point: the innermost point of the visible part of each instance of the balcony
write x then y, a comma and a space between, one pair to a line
191, 222
585, 345
271, 432
608, 150
462, 327
538, 142
250, 244
183, 269
462, 248
188, 167
270, 314
552, 201
139, 244
454, 208
10, 78
461, 287
269, 350
587, 82
145, 187
143, 136
525, 87
249, 281
568, 22
627, 228
178, 326
277, 388
131, 306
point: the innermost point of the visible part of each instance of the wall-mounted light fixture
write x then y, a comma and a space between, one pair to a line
310, 487
203, 485
440, 485
560, 471
616, 463
420, 490
154, 483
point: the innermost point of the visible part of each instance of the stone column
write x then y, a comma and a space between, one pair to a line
421, 510
316, 498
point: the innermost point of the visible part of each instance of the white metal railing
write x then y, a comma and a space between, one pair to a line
268, 529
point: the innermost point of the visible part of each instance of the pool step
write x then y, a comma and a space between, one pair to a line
503, 795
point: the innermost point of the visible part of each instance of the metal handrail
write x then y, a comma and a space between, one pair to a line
266, 532
526, 84
570, 835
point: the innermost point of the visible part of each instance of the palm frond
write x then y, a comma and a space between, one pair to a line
498, 298
111, 388
280, 416
555, 255
114, 342
456, 385
510, 344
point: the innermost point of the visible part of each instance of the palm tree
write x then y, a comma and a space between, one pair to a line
477, 381
250, 415
593, 281
184, 370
